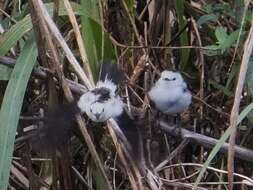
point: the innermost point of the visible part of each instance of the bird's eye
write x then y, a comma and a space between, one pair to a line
170, 79
103, 110
90, 110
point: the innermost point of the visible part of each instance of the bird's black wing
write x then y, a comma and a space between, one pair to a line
111, 71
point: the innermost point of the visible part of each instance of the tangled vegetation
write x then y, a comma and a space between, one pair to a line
51, 53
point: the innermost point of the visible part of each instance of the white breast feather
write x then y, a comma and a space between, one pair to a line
85, 101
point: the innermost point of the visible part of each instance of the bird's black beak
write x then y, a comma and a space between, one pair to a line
97, 115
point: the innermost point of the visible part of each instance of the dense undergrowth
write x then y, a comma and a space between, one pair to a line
43, 61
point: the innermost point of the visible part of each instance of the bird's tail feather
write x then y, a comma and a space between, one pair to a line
58, 122
131, 132
111, 71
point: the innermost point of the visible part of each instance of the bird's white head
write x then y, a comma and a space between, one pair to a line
102, 111
97, 112
170, 79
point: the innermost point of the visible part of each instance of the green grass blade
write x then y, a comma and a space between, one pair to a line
14, 34
11, 107
244, 113
222, 140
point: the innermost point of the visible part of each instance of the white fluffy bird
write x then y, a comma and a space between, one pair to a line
102, 102
170, 93
99, 104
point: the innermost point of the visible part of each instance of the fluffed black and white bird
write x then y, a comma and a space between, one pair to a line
170, 93
102, 102
99, 104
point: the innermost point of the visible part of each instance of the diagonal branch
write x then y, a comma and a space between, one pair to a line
205, 141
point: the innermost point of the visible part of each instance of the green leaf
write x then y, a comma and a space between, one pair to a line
249, 16
130, 6
221, 34
97, 44
224, 41
5, 72
208, 8
10, 38
219, 144
11, 107
207, 18
230, 40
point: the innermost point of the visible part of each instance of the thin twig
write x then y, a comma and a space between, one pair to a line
115, 42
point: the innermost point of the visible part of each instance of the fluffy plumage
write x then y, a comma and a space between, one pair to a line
102, 102
99, 111
99, 104
170, 93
